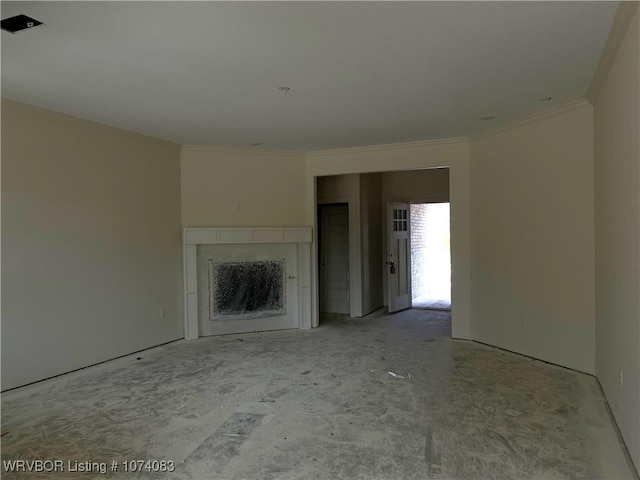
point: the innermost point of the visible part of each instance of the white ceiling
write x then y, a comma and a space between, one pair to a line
360, 73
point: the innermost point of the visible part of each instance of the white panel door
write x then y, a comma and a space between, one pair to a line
334, 259
398, 265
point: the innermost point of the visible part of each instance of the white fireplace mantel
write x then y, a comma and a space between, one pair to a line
192, 237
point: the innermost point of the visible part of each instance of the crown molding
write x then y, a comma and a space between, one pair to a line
388, 146
243, 151
533, 117
621, 22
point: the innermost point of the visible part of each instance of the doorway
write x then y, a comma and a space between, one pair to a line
398, 257
333, 249
430, 256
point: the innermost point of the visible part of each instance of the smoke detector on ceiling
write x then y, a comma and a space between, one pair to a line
18, 23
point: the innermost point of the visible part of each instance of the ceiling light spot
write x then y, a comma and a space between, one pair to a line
488, 117
545, 99
18, 23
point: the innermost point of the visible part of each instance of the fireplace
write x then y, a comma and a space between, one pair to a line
246, 289
246, 279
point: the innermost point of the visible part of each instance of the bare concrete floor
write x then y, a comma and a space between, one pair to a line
431, 303
322, 404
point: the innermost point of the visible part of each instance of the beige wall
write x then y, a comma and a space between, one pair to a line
532, 237
617, 217
90, 243
371, 241
412, 156
242, 187
338, 188
416, 186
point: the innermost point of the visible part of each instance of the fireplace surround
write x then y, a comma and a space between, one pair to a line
254, 239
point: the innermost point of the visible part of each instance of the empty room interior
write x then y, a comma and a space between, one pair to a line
207, 240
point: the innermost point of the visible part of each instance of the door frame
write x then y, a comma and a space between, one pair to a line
320, 235
385, 238
355, 284
392, 205
451, 154
436, 200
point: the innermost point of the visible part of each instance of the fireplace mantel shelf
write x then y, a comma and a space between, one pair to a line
194, 236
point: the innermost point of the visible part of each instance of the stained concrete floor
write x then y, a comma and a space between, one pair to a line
322, 404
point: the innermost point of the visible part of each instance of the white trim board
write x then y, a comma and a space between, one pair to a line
192, 237
387, 147
243, 151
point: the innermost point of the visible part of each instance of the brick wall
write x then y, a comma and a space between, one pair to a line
430, 256
418, 246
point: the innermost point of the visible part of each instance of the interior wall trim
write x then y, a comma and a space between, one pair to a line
243, 151
389, 146
533, 117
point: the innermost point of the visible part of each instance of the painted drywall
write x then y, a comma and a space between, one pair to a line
90, 243
415, 186
242, 188
532, 239
371, 241
617, 223
338, 188
410, 156
346, 189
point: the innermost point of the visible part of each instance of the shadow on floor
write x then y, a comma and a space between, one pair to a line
424, 323
431, 303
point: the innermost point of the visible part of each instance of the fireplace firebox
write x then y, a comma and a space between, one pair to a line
249, 289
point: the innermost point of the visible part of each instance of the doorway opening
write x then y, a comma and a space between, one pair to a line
333, 255
430, 256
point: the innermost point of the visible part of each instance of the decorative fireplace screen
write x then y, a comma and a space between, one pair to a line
251, 289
